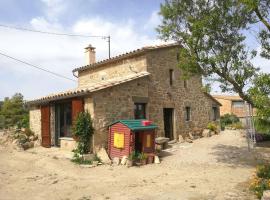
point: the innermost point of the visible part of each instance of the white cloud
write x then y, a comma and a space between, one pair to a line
154, 21
59, 54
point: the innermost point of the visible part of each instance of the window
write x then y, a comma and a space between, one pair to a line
214, 113
185, 83
171, 76
238, 104
139, 110
187, 114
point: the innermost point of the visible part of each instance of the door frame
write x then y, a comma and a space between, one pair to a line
172, 122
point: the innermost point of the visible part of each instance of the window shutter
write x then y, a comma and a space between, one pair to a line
45, 126
77, 107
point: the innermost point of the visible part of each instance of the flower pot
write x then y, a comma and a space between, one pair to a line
129, 163
150, 159
143, 162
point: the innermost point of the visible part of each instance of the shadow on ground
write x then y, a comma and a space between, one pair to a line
240, 156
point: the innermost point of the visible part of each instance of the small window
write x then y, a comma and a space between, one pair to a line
185, 83
171, 76
238, 104
139, 110
187, 114
214, 113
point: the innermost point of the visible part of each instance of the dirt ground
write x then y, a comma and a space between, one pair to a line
218, 167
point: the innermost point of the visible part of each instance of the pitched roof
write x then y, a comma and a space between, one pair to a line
124, 55
135, 124
83, 91
212, 97
228, 97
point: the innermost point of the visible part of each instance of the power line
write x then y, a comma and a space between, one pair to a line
37, 67
62, 34
52, 33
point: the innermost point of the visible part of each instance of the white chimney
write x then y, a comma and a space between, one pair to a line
90, 55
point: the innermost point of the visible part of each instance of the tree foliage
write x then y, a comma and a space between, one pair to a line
212, 34
14, 112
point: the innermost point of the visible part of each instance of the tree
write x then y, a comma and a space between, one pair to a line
260, 10
14, 112
211, 34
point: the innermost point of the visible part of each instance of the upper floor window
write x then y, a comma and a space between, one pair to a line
139, 110
214, 113
238, 104
187, 113
171, 76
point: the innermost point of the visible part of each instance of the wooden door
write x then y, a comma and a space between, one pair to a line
77, 107
148, 141
45, 126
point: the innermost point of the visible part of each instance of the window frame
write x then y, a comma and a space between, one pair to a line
136, 106
187, 113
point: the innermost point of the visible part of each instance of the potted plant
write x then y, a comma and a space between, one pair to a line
143, 157
130, 159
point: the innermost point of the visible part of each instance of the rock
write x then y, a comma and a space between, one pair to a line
212, 133
124, 160
87, 166
31, 138
102, 154
26, 145
88, 156
157, 161
95, 163
189, 140
116, 161
190, 136
181, 139
161, 140
266, 195
31, 144
206, 133
15, 142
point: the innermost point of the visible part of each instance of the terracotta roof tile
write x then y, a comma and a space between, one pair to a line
83, 91
124, 55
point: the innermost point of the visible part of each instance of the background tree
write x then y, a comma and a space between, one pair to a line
14, 112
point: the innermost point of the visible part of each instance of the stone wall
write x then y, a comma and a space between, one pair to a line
113, 104
176, 96
35, 120
110, 71
226, 107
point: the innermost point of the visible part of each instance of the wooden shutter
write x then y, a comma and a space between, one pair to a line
77, 107
45, 126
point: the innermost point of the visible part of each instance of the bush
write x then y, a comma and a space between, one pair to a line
262, 125
261, 180
83, 131
237, 125
228, 119
212, 126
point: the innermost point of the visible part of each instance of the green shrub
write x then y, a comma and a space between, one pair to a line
228, 119
237, 125
263, 171
83, 131
262, 125
212, 126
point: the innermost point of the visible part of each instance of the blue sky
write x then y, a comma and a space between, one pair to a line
131, 24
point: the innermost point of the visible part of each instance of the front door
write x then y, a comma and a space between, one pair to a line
168, 122
45, 126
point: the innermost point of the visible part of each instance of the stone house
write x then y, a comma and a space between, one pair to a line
233, 105
144, 83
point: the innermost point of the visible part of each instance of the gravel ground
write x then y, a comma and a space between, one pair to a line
218, 167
